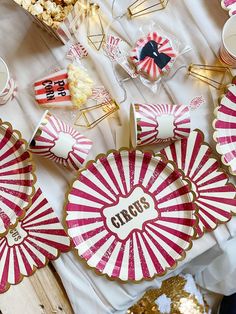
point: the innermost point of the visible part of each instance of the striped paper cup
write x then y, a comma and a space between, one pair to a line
7, 85
58, 141
228, 46
158, 123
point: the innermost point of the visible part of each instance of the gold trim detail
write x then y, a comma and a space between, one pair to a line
17, 134
171, 164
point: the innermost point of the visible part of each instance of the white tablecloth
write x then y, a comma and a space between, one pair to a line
29, 52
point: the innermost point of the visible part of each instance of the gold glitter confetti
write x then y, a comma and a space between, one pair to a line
172, 290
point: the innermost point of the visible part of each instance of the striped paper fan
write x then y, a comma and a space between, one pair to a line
225, 129
37, 238
54, 133
156, 119
152, 64
16, 177
215, 197
130, 215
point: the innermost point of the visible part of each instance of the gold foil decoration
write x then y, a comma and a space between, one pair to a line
95, 29
101, 111
181, 301
215, 76
143, 7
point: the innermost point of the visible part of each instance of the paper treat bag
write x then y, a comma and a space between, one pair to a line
58, 17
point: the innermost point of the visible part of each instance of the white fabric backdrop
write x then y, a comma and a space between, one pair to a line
29, 52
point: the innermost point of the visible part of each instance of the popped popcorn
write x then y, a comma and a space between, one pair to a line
51, 12
80, 85
36, 9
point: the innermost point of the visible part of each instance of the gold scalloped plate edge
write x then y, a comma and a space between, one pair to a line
34, 269
47, 260
30, 161
84, 261
220, 170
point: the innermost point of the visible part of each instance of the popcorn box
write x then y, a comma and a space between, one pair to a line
58, 17
67, 88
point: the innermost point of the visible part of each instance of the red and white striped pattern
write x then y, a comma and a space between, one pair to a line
117, 50
148, 66
225, 129
215, 198
152, 119
226, 57
40, 89
77, 51
101, 95
37, 238
227, 51
9, 93
110, 183
51, 130
69, 27
112, 47
229, 5
16, 176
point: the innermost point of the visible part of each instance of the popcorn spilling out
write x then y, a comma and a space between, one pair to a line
69, 88
51, 12
80, 85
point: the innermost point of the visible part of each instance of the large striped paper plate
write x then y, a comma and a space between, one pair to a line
16, 177
225, 128
215, 197
130, 215
37, 238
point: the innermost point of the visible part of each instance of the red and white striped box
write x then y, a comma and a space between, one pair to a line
67, 28
66, 88
53, 89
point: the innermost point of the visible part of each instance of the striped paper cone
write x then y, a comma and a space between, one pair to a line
158, 123
153, 55
38, 238
228, 47
130, 215
16, 177
215, 197
56, 140
225, 126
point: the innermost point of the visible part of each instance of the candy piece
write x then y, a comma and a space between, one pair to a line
153, 56
65, 88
